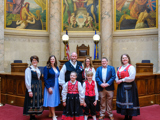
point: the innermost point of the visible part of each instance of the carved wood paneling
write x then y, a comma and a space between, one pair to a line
141, 86
148, 89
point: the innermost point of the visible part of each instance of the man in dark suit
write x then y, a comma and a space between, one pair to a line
105, 76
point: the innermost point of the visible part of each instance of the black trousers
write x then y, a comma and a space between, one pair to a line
90, 106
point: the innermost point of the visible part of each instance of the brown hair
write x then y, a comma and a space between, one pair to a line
91, 64
89, 73
127, 57
34, 57
49, 62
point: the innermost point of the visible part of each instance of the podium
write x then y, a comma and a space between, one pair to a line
18, 67
144, 67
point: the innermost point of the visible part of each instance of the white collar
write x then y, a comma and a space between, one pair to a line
33, 68
126, 65
73, 82
73, 64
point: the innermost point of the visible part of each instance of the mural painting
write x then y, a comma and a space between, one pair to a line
135, 14
80, 15
26, 14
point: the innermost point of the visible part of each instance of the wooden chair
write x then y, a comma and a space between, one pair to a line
82, 51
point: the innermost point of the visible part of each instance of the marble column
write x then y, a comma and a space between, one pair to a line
55, 27
158, 36
106, 31
1, 35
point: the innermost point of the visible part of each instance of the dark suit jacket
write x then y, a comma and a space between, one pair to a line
111, 75
49, 77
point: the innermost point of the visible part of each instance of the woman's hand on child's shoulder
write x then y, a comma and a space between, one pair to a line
64, 104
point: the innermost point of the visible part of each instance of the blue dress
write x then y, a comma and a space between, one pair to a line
52, 100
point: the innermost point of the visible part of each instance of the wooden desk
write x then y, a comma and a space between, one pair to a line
96, 63
18, 67
144, 67
13, 89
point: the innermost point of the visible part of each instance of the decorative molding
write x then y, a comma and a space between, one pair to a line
26, 33
136, 39
26, 39
130, 33
81, 34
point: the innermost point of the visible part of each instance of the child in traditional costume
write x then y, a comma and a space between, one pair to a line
73, 99
91, 96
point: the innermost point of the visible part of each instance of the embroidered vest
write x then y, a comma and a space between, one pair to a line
73, 88
123, 73
90, 88
70, 68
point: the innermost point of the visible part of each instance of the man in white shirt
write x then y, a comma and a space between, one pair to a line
68, 67
105, 76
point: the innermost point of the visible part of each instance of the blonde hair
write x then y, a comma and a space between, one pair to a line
91, 64
89, 73
73, 72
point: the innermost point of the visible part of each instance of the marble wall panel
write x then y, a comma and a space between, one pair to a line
22, 48
139, 48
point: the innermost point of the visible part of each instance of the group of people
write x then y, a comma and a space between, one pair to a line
82, 86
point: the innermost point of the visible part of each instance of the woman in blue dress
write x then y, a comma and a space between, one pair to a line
51, 90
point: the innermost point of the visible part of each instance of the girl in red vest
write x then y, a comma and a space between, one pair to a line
73, 99
91, 96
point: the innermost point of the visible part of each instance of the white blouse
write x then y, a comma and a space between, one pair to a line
95, 89
131, 71
28, 76
93, 70
80, 89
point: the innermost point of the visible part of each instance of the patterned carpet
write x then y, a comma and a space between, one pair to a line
9, 112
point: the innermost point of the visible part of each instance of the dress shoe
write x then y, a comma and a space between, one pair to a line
130, 118
126, 117
101, 117
111, 118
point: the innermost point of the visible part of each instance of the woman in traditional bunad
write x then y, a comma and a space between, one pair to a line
127, 102
33, 104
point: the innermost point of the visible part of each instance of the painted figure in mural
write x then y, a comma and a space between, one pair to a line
88, 22
18, 7
26, 17
91, 7
78, 4
67, 9
24, 23
38, 18
135, 7
142, 18
140, 14
73, 20
25, 11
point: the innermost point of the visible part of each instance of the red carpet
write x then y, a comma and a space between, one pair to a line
9, 112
